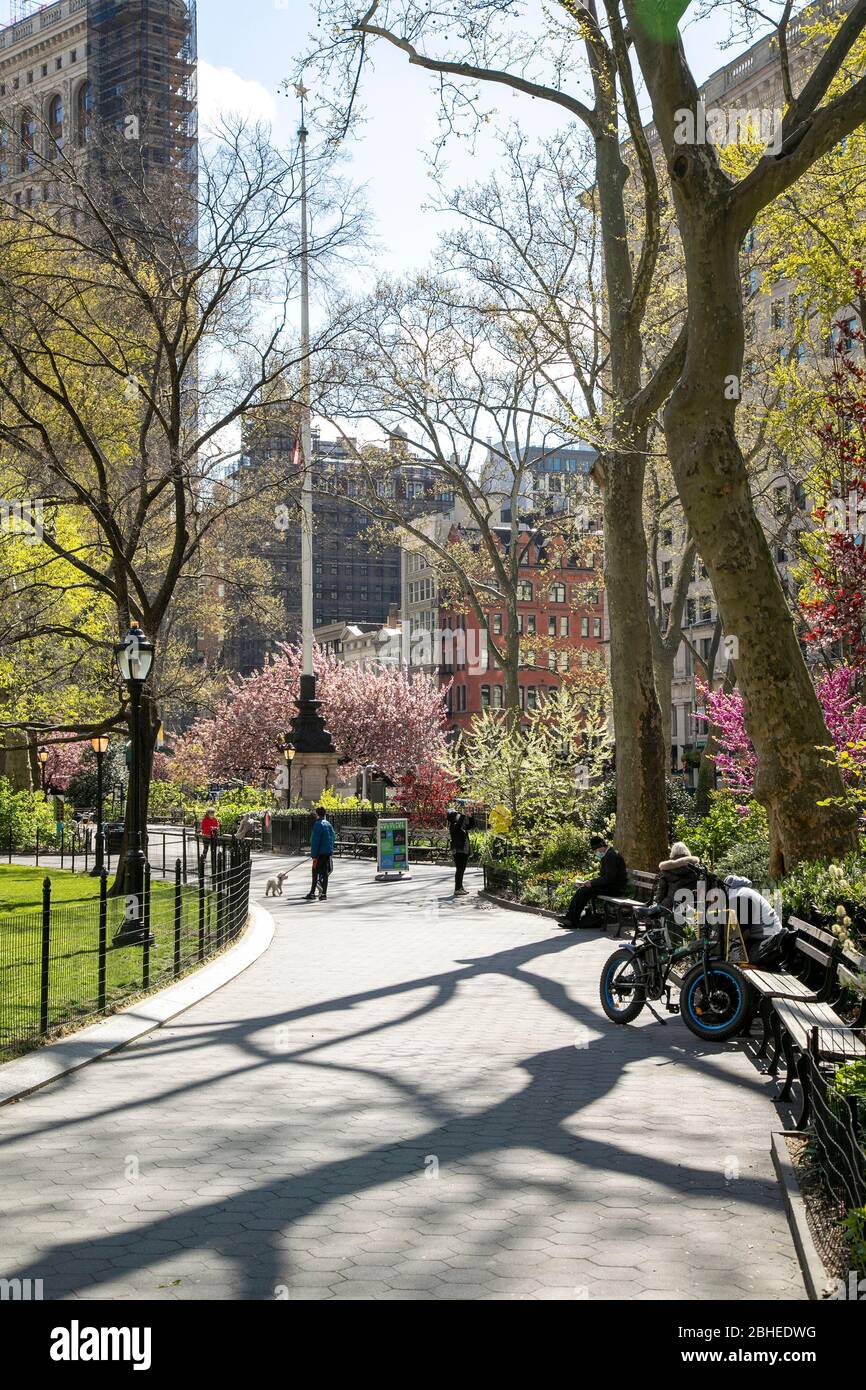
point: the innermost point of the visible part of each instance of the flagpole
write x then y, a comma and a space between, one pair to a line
306, 406
315, 760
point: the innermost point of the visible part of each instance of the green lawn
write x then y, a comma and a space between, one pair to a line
21, 887
73, 976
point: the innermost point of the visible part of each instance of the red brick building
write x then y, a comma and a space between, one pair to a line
561, 615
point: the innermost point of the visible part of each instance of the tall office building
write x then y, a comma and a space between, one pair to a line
356, 572
70, 67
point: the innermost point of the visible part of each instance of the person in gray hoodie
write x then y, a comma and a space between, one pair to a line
757, 917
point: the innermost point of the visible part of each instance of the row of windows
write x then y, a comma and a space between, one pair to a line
58, 67
56, 120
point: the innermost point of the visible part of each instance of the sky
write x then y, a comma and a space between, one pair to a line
246, 51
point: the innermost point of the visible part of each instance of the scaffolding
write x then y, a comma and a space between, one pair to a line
143, 56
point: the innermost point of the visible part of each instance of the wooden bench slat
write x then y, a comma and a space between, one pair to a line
816, 933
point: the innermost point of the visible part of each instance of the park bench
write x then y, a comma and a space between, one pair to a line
619, 911
354, 842
799, 1010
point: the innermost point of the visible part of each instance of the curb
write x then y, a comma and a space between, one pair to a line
527, 907
815, 1276
30, 1073
517, 907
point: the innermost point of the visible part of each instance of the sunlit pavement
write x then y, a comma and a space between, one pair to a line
410, 1095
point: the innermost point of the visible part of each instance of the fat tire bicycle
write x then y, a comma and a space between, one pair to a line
714, 996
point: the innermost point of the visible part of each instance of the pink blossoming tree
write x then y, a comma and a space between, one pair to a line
845, 716
377, 716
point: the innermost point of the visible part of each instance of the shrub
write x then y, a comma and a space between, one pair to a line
21, 815
567, 848
750, 859
837, 892
854, 1226
727, 824
598, 810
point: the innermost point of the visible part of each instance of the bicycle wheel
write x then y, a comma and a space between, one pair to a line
715, 1007
622, 988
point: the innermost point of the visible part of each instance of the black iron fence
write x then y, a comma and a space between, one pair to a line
63, 963
840, 1128
290, 832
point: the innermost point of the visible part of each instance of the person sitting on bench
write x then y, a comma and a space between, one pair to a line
612, 882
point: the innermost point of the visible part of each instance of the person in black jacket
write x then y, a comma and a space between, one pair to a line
612, 880
459, 826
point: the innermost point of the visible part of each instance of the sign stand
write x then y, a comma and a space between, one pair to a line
392, 849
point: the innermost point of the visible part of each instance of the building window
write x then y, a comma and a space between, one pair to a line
84, 112
551, 625
530, 624
55, 126
58, 64
531, 697
524, 590
584, 627
596, 627
497, 624
28, 131
563, 662
563, 625
497, 695
557, 593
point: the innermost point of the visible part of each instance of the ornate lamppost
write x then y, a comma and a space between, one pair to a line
99, 744
42, 759
134, 658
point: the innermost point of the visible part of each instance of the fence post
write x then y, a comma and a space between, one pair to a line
72, 854
46, 956
145, 964
220, 905
86, 849
62, 837
183, 847
10, 842
163, 854
103, 938
177, 917
201, 942
37, 846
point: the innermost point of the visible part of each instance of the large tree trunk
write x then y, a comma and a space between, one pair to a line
783, 716
641, 815
663, 673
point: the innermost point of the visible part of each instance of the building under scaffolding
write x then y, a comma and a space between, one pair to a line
143, 57
75, 66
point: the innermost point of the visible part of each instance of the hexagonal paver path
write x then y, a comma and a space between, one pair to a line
410, 1096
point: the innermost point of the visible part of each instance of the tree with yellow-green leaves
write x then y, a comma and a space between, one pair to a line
142, 317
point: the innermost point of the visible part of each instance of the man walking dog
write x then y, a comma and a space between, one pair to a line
321, 852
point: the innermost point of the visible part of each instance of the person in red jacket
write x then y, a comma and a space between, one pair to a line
210, 828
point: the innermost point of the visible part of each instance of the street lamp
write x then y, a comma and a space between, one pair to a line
42, 759
288, 750
99, 744
134, 658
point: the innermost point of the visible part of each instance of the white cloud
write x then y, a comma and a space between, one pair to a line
222, 91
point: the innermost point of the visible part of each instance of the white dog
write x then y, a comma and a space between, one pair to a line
275, 886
